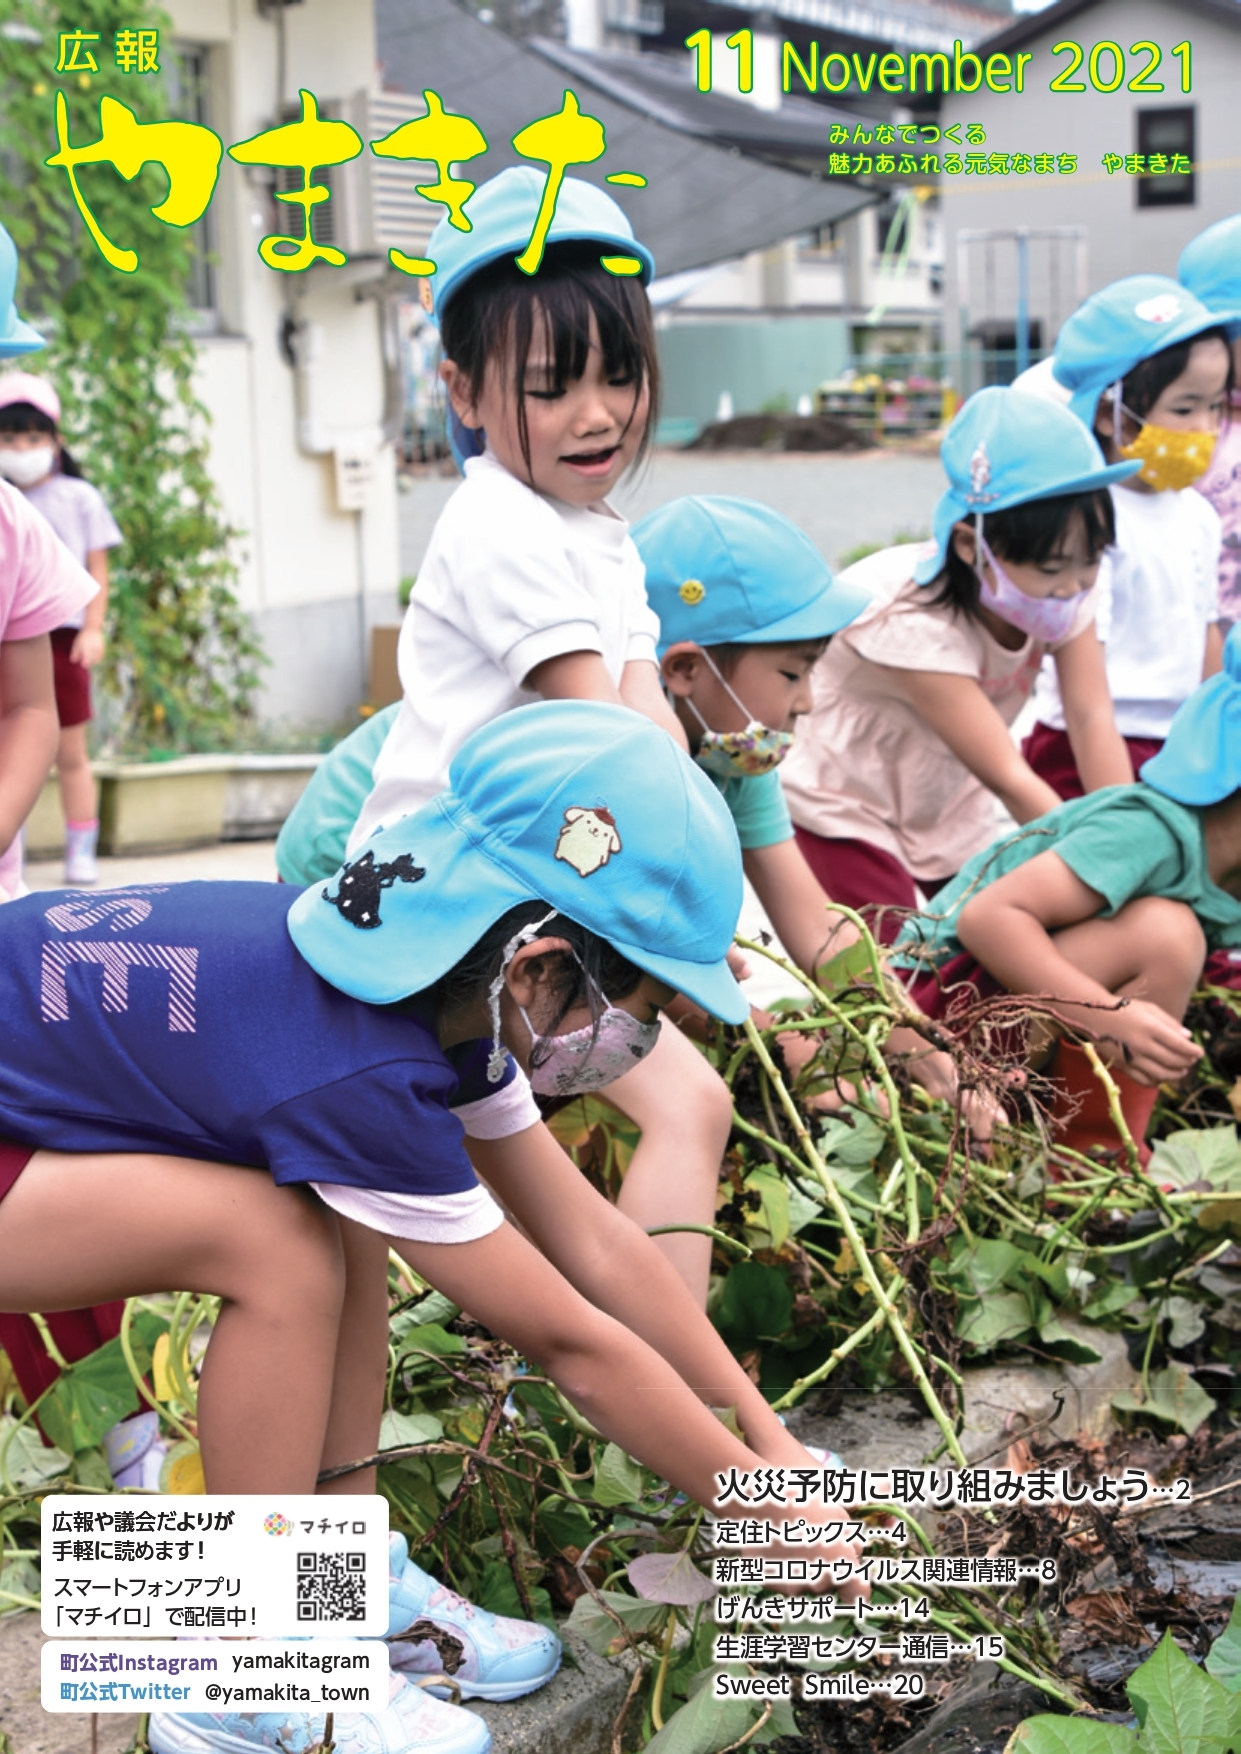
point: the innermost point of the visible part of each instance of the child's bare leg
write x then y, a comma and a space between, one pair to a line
685, 1113
84, 1229
1152, 949
360, 1374
77, 782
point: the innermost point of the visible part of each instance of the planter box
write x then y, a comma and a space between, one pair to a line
260, 792
195, 800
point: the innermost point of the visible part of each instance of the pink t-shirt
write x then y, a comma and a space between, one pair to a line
1222, 486
865, 765
41, 587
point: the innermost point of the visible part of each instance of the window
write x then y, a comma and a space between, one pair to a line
1162, 136
186, 73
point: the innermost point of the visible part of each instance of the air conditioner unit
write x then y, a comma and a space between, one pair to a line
374, 205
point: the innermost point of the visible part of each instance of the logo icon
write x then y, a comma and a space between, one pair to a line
692, 591
1158, 310
276, 1523
588, 839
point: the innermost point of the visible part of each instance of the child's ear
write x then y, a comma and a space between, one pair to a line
963, 543
680, 667
460, 393
534, 968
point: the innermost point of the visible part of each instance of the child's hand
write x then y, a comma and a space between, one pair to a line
935, 1072
87, 648
1153, 1047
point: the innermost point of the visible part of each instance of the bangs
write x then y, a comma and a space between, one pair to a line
1032, 532
25, 417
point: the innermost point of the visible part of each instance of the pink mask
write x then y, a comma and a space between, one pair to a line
1046, 619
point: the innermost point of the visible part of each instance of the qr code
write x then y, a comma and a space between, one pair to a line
331, 1586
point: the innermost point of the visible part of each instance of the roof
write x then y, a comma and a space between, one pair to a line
703, 203
906, 24
664, 87
1033, 24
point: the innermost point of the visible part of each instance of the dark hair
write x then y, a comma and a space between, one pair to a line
1027, 534
495, 309
597, 968
728, 655
1142, 387
25, 417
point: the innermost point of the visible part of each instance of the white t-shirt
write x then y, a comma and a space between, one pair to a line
1158, 594
510, 579
865, 764
78, 514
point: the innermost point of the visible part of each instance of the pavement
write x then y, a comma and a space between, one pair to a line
839, 500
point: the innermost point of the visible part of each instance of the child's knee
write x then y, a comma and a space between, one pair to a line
301, 1257
1168, 932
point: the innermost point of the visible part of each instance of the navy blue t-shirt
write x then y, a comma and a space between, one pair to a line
183, 1020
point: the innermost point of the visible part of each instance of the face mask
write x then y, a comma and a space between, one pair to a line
24, 468
756, 750
1047, 619
582, 1060
1170, 459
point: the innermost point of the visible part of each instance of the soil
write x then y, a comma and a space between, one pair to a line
781, 432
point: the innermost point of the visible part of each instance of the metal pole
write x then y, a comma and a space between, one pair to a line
1023, 301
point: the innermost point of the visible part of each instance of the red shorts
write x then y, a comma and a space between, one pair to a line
1050, 754
72, 681
866, 878
75, 1331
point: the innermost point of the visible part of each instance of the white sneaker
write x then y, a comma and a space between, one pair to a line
81, 866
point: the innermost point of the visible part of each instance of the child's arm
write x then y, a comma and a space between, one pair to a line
1008, 926
29, 729
584, 676
88, 646
1213, 656
956, 709
1099, 750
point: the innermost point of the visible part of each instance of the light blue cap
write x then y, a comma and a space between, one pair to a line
15, 336
1117, 328
1210, 266
502, 214
1006, 447
722, 571
1200, 762
589, 807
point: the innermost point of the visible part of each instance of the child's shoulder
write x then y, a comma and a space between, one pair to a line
490, 508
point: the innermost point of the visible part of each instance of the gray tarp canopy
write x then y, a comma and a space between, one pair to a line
703, 202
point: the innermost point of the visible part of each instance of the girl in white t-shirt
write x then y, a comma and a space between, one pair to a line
1149, 369
531, 586
893, 779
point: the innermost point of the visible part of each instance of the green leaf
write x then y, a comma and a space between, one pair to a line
28, 1460
590, 1622
1206, 1154
707, 1724
431, 1337
1114, 1297
986, 1265
1180, 1710
18, 1577
1062, 1343
756, 1304
670, 1577
497, 1592
1174, 1397
89, 1397
1224, 1656
986, 1321
855, 1142
1069, 1735
769, 1226
618, 1478
803, 1209
1186, 1318
399, 1430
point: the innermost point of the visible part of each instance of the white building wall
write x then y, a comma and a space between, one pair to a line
1122, 238
312, 576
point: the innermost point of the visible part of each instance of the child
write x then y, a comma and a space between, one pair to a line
893, 777
1210, 267
1148, 367
531, 586
1114, 897
34, 459
314, 835
578, 871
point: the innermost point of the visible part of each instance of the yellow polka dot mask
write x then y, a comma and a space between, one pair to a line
1170, 460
